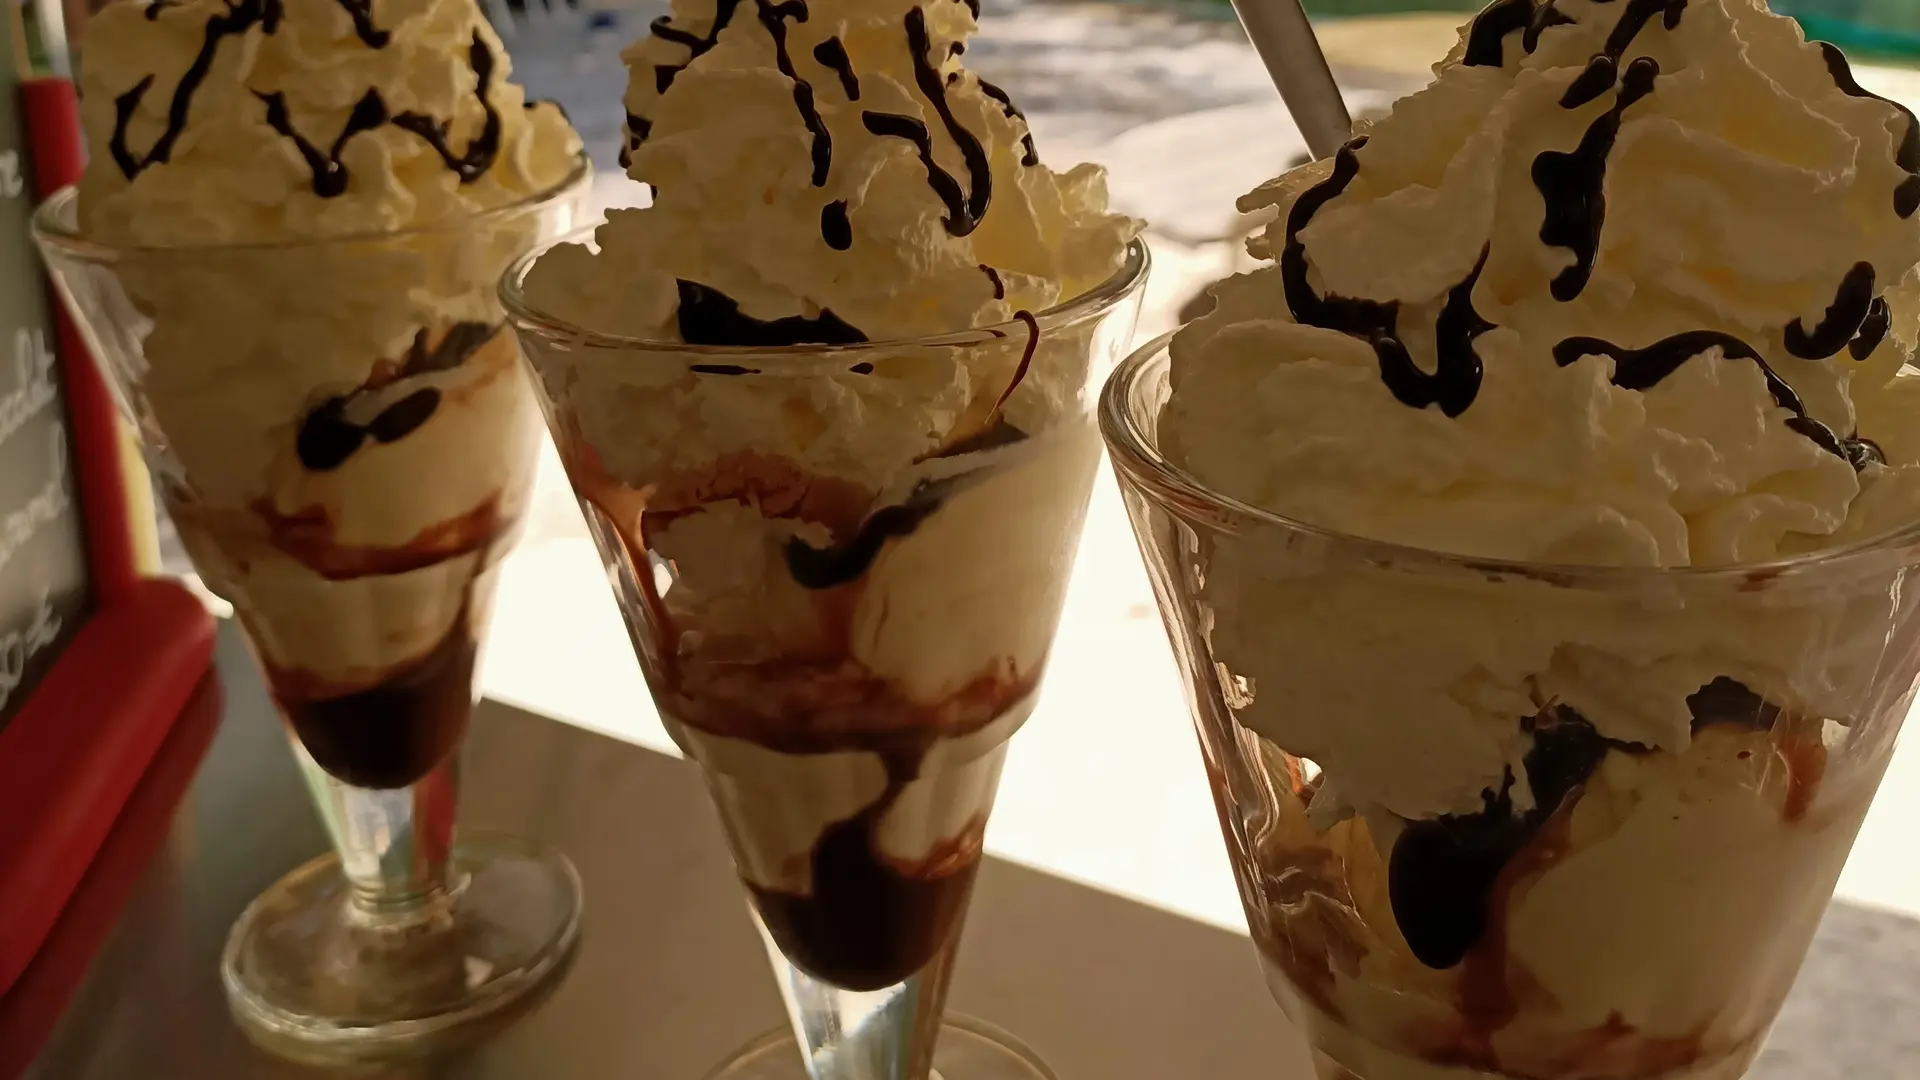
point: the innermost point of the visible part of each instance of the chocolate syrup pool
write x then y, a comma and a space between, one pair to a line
870, 922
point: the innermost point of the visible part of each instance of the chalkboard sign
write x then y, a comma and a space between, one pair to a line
96, 663
44, 588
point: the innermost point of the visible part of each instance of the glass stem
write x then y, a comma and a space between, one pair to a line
394, 844
885, 1034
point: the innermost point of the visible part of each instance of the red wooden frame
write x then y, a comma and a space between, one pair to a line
75, 752
29, 1011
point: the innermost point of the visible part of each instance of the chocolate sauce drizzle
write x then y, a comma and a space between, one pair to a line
774, 17
1455, 380
1573, 183
1731, 702
964, 208
361, 12
1028, 155
1000, 433
1020, 369
238, 19
638, 128
697, 46
842, 564
999, 287
1486, 37
1635, 19
329, 175
405, 416
1595, 79
1726, 702
392, 734
1544, 17
485, 147
868, 924
1643, 369
1842, 320
1457, 369
708, 316
832, 55
461, 341
1441, 872
835, 228
1873, 329
1862, 451
531, 104
1906, 197
326, 438
722, 369
664, 29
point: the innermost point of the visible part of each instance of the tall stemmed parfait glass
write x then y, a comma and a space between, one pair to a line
843, 608
357, 527
1643, 914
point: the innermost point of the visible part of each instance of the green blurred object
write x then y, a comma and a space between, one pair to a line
41, 27
1880, 27
1887, 29
1386, 7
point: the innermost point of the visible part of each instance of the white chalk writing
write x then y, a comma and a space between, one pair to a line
19, 526
19, 647
33, 372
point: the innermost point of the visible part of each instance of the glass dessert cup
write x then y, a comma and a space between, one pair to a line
841, 568
1621, 908
352, 498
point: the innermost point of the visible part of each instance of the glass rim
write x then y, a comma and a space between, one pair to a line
1097, 301
1136, 455
52, 228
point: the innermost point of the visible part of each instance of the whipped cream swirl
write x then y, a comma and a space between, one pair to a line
1622, 286
1628, 284
218, 121
829, 174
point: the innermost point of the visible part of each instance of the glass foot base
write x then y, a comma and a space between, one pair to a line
969, 1049
310, 978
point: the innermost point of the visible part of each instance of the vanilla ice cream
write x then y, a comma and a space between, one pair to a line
844, 538
312, 203
1627, 286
